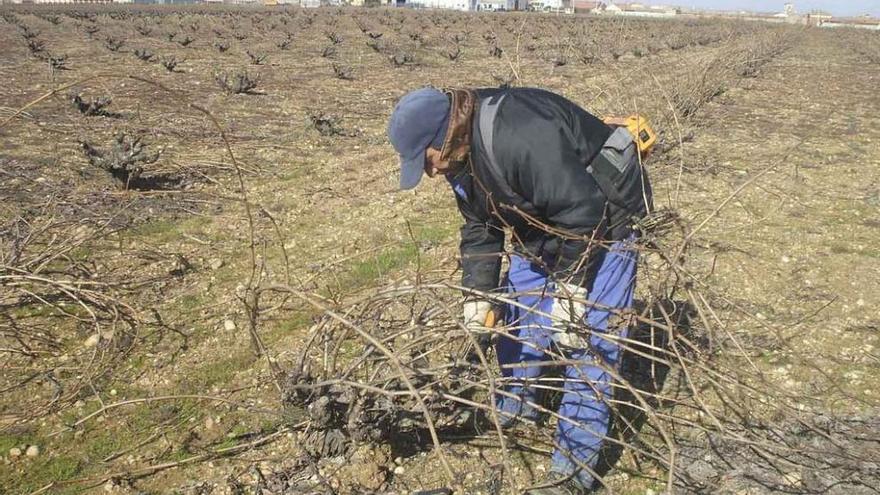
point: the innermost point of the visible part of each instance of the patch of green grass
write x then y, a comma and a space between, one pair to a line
868, 249
435, 232
216, 372
72, 415
380, 265
102, 443
294, 323
156, 228
190, 302
32, 311
160, 231
8, 441
60, 468
242, 427
35, 474
872, 251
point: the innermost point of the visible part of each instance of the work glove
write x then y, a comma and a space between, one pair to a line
567, 312
474, 312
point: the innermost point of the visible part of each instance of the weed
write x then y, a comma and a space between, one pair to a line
401, 59
113, 44
454, 53
143, 54
237, 83
285, 43
91, 30
185, 41
256, 58
94, 107
333, 37
343, 72
170, 63
36, 46
326, 124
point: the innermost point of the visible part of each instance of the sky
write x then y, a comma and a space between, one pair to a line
836, 7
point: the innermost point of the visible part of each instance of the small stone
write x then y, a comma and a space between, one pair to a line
229, 325
399, 470
93, 340
14, 452
792, 478
32, 451
648, 491
398, 461
701, 471
113, 392
786, 259
216, 264
209, 423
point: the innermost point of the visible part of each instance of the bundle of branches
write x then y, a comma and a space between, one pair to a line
94, 107
720, 71
62, 325
396, 365
237, 83
698, 87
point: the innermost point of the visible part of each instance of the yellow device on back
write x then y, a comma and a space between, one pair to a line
640, 129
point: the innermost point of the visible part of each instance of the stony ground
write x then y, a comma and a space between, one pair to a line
792, 255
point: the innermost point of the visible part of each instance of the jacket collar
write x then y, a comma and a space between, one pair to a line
457, 144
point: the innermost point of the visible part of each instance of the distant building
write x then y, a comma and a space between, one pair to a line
464, 5
79, 2
816, 18
852, 22
550, 6
639, 10
492, 5
587, 7
788, 15
42, 2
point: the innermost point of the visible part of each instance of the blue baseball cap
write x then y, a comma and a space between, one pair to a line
419, 120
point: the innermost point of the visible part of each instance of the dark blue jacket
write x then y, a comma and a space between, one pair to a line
542, 144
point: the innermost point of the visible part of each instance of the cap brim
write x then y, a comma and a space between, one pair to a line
411, 171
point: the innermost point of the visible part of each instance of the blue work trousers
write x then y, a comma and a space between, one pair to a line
586, 385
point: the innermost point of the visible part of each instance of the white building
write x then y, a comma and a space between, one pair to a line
639, 10
464, 5
857, 23
492, 5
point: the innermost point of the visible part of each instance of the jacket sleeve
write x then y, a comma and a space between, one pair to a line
482, 243
549, 170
